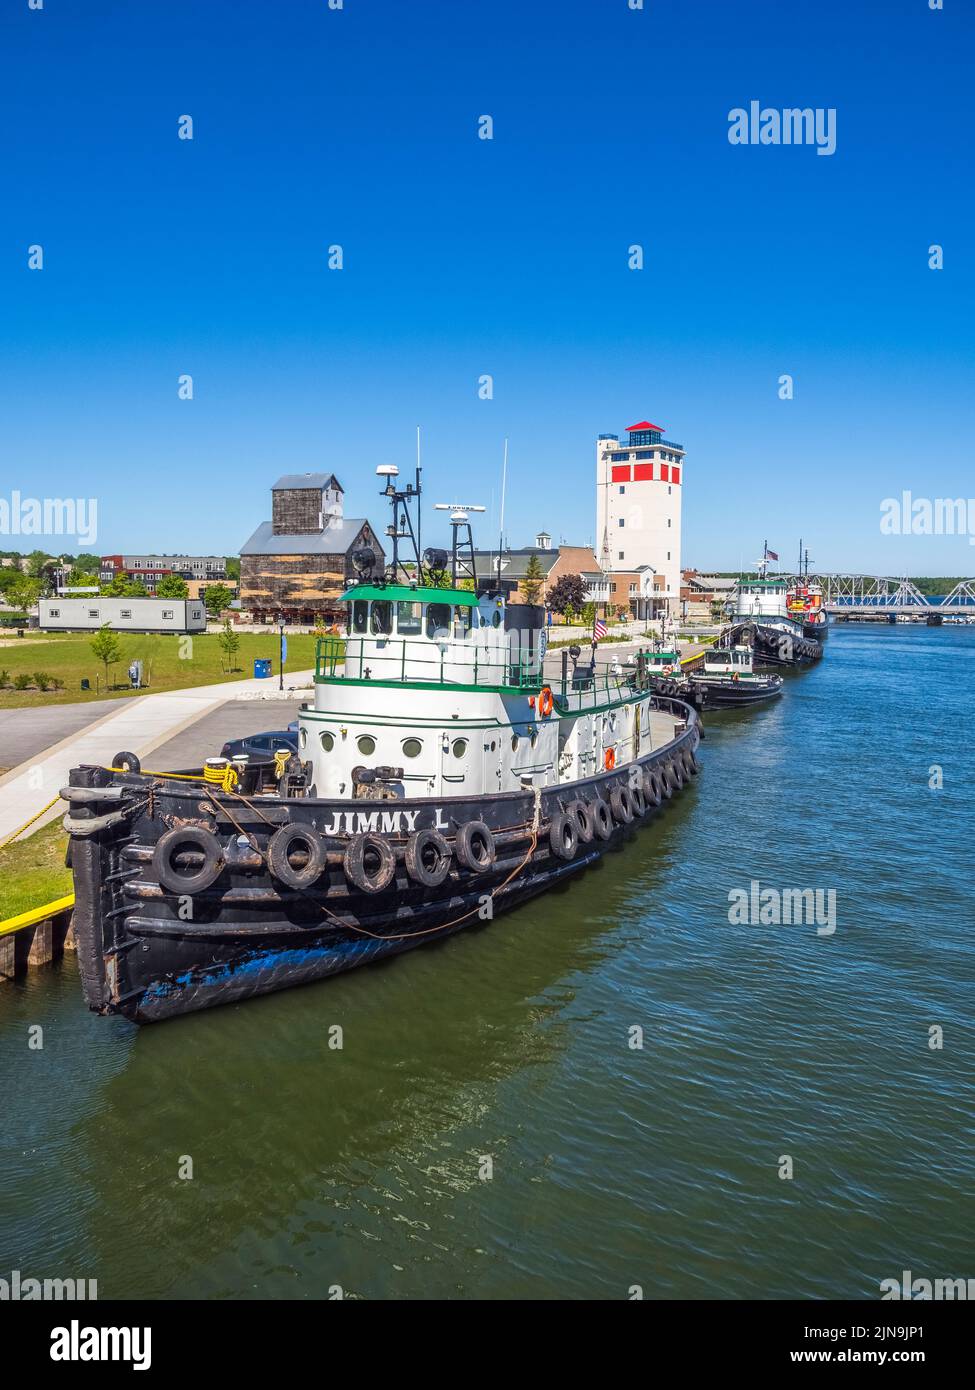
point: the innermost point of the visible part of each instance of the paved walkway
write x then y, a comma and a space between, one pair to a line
137, 726
26, 732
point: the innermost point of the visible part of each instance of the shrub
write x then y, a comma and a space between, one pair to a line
42, 680
22, 682
4, 679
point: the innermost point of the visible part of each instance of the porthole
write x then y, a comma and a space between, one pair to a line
302, 738
534, 737
514, 743
496, 620
459, 747
412, 748
366, 744
327, 741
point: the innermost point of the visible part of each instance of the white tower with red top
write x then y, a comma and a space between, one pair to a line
639, 480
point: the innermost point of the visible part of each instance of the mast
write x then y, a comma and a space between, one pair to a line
504, 482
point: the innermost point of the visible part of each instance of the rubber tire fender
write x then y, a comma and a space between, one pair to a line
621, 805
638, 799
474, 847
419, 843
563, 835
677, 778
354, 862
128, 761
602, 819
652, 789
664, 780
165, 851
279, 847
583, 819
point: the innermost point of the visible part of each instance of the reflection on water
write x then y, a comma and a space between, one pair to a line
363, 1167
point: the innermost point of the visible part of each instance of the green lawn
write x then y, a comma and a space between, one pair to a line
32, 871
174, 662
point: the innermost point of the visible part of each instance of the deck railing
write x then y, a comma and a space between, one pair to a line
455, 663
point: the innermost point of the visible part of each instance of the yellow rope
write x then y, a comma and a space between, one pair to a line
27, 824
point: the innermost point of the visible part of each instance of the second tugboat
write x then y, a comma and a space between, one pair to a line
760, 617
727, 680
440, 779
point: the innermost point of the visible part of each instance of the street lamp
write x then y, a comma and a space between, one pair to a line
282, 651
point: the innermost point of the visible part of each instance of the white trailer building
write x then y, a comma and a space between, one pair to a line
122, 614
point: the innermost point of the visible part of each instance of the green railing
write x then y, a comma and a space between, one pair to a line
456, 664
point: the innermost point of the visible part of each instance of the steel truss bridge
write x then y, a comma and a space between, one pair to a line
874, 596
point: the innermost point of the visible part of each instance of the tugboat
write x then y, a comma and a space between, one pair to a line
758, 609
727, 680
804, 602
441, 778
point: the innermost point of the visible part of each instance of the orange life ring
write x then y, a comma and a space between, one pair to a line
546, 701
735, 676
668, 670
610, 759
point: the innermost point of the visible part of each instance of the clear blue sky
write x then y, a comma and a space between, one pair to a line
508, 257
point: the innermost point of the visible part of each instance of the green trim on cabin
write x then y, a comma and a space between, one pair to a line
403, 593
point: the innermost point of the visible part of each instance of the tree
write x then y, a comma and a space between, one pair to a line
531, 585
86, 563
24, 592
233, 568
106, 647
36, 561
230, 645
568, 594
216, 598
172, 586
123, 587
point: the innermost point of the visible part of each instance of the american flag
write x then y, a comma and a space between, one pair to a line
599, 630
772, 555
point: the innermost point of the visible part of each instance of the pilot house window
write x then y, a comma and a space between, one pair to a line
409, 619
382, 618
360, 616
438, 619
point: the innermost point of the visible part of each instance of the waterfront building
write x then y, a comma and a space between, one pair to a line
299, 563
197, 570
639, 482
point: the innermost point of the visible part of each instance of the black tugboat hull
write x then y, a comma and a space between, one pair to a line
715, 695
779, 647
149, 954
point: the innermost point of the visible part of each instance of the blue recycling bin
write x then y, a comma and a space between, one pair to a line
262, 667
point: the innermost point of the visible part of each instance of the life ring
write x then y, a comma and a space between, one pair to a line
621, 804
427, 858
279, 850
127, 762
546, 701
735, 676
668, 670
609, 761
474, 846
583, 820
602, 819
174, 843
564, 835
370, 877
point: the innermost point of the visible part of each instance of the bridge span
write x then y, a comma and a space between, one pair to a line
883, 596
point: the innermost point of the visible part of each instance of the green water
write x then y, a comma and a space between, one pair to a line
613, 1166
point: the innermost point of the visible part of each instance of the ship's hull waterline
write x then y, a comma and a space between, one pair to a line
149, 953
